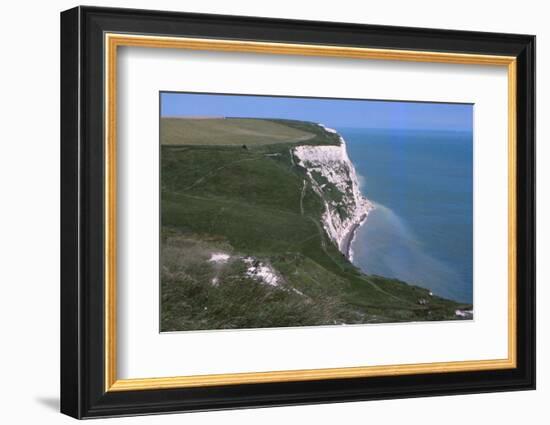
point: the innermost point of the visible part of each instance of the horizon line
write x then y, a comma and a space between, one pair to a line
219, 117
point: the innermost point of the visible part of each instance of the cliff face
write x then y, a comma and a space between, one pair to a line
333, 177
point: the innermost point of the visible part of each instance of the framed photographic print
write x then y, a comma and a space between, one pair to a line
261, 212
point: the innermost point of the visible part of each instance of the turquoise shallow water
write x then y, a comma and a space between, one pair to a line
421, 229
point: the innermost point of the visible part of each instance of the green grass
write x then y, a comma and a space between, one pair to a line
251, 202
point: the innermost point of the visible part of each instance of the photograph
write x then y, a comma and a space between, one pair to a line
280, 211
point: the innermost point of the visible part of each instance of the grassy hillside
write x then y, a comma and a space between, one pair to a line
247, 201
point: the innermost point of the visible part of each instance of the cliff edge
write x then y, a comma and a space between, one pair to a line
333, 177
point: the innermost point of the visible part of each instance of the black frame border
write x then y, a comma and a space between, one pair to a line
82, 205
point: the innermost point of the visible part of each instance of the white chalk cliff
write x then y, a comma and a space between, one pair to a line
340, 218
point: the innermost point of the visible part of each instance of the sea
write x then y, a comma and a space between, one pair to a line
421, 230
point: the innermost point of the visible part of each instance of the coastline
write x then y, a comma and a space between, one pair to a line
349, 238
334, 165
346, 244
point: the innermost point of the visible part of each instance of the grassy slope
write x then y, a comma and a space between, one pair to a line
251, 201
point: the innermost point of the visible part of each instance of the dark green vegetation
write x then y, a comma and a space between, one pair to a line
247, 198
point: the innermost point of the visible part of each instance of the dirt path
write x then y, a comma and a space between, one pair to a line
302, 197
215, 170
291, 157
305, 137
395, 297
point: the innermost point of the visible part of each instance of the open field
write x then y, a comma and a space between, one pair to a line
252, 208
230, 131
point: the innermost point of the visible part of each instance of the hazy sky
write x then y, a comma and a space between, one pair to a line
331, 112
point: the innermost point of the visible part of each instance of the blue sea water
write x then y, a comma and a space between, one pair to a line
421, 228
